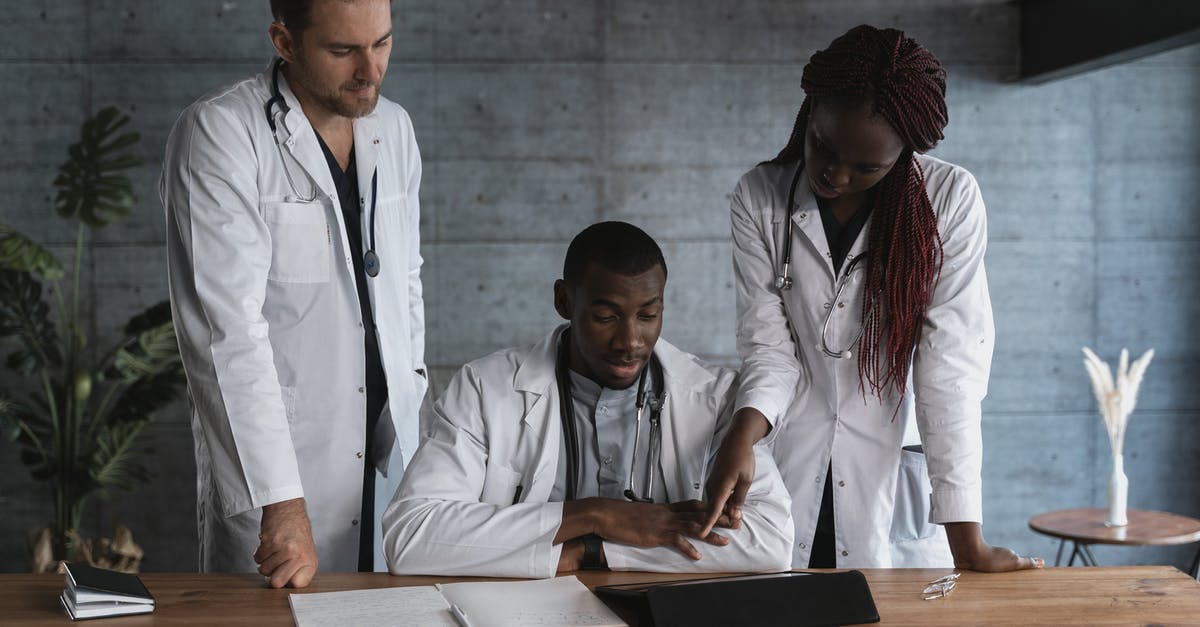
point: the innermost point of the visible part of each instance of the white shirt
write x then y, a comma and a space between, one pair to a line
815, 402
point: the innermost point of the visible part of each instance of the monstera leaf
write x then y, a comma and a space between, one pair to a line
153, 351
26, 318
18, 252
89, 183
113, 463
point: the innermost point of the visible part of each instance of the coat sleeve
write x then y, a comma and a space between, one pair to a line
219, 254
952, 361
416, 301
770, 370
762, 543
439, 523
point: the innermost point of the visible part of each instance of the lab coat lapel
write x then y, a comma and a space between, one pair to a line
300, 142
806, 217
366, 158
541, 434
685, 384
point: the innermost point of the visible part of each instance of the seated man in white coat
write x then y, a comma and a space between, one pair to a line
588, 449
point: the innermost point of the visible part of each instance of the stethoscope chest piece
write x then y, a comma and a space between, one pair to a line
371, 263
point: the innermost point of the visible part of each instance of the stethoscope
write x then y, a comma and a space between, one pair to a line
371, 264
571, 436
783, 281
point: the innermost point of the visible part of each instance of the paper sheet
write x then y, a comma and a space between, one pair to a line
415, 605
562, 602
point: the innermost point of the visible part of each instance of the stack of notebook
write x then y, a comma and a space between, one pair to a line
95, 592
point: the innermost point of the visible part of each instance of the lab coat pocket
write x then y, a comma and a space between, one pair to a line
910, 518
301, 242
500, 485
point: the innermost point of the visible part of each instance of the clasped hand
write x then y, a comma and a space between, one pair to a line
286, 554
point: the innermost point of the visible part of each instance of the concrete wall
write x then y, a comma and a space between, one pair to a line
537, 118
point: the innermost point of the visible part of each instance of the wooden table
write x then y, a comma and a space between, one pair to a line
1084, 527
1053, 596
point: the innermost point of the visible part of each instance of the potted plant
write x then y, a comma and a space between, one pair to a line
78, 429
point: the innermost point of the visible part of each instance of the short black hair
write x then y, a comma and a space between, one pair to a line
618, 247
296, 15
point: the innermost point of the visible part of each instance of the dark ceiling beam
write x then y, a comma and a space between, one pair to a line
1061, 38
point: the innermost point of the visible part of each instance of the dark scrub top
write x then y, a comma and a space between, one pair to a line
376, 383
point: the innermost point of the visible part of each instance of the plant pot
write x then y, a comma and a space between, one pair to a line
1118, 494
120, 553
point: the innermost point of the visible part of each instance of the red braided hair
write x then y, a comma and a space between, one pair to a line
905, 84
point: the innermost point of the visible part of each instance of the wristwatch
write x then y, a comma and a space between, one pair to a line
592, 560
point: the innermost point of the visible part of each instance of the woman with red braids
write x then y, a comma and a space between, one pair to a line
863, 307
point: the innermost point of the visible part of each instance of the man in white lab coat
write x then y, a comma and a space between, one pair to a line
588, 449
292, 241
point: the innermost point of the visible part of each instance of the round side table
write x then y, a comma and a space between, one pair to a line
1085, 527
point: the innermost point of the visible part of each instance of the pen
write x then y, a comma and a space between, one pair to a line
460, 616
517, 496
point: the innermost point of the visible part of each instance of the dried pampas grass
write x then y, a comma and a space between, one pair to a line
1117, 397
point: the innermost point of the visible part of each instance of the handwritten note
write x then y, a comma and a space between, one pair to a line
418, 605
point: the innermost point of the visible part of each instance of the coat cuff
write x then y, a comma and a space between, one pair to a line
948, 506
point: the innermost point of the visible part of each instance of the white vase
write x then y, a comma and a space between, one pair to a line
1118, 493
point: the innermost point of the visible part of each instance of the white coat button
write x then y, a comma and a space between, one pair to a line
845, 553
841, 305
803, 545
608, 461
360, 390
841, 484
603, 409
827, 305
817, 480
354, 522
358, 454
804, 216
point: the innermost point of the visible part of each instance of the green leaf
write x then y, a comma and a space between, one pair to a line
18, 252
90, 183
154, 316
24, 317
112, 464
144, 398
10, 420
152, 352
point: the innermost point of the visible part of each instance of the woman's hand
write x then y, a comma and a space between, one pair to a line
732, 473
972, 552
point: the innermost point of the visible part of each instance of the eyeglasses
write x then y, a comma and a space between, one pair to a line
940, 587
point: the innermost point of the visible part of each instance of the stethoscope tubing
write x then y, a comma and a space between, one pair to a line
371, 260
783, 281
571, 436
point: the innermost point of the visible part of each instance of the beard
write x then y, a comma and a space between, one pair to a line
340, 99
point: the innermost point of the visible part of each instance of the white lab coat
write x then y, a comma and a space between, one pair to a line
266, 310
497, 427
815, 402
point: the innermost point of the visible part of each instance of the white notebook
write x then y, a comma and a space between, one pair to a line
562, 601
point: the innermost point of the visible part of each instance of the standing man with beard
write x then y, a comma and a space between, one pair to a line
292, 240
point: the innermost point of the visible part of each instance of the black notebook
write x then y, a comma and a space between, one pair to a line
95, 592
791, 599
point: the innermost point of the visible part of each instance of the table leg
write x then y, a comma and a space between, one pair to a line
1196, 566
1058, 556
1086, 551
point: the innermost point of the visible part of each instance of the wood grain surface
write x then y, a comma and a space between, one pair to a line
1053, 596
1145, 527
